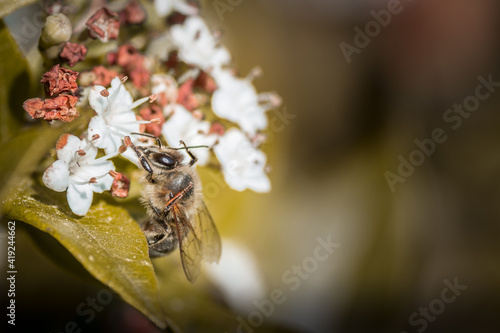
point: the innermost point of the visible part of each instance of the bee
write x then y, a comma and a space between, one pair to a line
178, 216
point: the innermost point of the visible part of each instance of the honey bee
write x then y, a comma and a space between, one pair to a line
178, 216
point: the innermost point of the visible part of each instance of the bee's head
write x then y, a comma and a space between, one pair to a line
158, 159
161, 158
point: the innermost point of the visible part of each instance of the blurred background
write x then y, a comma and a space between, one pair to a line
403, 247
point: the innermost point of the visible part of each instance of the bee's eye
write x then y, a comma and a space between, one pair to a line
164, 160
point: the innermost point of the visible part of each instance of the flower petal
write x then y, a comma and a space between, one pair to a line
97, 132
97, 101
56, 177
184, 8
103, 184
163, 7
183, 126
242, 165
119, 96
79, 198
66, 147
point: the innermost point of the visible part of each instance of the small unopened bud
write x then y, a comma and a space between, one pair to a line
120, 186
86, 78
104, 93
57, 29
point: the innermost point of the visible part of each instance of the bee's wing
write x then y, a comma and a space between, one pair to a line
190, 245
197, 240
206, 229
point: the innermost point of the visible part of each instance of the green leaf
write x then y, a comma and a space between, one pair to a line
107, 242
14, 85
20, 156
8, 6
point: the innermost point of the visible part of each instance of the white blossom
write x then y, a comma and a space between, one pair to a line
243, 165
182, 125
165, 7
237, 100
197, 45
79, 172
165, 87
115, 118
238, 276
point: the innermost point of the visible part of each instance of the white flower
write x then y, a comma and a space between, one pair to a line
237, 100
115, 118
165, 7
77, 171
243, 165
238, 276
197, 45
194, 132
165, 87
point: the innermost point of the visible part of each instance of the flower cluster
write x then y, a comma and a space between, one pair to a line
193, 91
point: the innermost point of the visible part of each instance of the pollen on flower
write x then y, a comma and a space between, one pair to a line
104, 93
62, 141
59, 108
72, 53
59, 80
120, 186
95, 137
104, 25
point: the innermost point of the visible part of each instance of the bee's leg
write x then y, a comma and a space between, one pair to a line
193, 158
161, 241
175, 198
142, 158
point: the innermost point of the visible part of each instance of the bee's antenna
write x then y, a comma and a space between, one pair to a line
150, 136
193, 158
191, 147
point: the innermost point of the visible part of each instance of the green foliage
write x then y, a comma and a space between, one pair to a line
107, 242
8, 6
